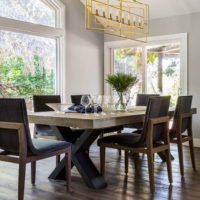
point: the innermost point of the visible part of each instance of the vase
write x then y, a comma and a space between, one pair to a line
123, 100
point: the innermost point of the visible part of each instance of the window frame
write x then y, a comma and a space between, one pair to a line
109, 58
57, 33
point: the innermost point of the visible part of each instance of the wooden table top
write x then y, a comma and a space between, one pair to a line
89, 121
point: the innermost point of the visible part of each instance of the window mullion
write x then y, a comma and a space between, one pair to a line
30, 28
144, 69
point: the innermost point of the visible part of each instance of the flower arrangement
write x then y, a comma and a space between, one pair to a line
121, 83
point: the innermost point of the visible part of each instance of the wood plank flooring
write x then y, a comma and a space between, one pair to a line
120, 187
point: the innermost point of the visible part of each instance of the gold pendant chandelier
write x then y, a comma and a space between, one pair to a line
123, 18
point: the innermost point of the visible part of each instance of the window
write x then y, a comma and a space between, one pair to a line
163, 70
129, 61
31, 38
34, 11
160, 65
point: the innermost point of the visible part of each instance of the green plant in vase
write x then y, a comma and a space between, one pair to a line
121, 83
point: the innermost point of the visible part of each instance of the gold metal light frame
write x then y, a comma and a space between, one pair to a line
123, 18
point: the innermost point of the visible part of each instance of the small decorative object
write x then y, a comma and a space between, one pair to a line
122, 83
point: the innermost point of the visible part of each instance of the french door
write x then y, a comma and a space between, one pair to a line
158, 65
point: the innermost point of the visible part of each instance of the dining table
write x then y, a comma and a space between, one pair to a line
93, 126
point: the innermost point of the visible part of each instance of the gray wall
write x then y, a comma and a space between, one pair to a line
181, 24
84, 54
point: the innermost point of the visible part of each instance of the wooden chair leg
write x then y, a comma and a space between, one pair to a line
180, 155
120, 151
57, 160
169, 167
192, 154
33, 172
102, 160
151, 171
21, 179
68, 169
126, 162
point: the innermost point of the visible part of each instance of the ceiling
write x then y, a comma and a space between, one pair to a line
167, 8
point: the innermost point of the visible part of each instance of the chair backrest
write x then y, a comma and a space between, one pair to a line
157, 107
184, 104
39, 102
13, 110
142, 99
76, 99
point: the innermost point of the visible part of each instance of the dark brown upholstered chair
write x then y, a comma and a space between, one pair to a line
39, 104
183, 122
15, 139
76, 99
154, 138
45, 131
142, 100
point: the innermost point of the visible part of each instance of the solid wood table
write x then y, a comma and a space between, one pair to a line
94, 126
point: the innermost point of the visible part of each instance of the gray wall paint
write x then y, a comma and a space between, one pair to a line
84, 54
181, 24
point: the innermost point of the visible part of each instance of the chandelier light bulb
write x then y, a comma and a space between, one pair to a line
97, 12
123, 19
139, 21
111, 14
134, 20
129, 21
104, 13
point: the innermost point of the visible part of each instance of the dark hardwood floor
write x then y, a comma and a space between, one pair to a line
120, 187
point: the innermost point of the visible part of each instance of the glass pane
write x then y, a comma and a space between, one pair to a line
129, 61
34, 11
163, 70
27, 65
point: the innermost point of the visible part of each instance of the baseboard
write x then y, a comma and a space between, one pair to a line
196, 142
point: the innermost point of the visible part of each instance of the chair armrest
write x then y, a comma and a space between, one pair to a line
21, 134
152, 122
159, 120
185, 115
10, 125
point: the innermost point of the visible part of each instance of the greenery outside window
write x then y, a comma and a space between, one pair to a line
31, 39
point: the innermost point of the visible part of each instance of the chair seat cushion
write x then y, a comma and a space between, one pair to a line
43, 146
127, 139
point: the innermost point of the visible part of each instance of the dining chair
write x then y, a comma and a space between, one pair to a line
141, 100
76, 99
153, 139
41, 130
48, 132
15, 140
182, 123
39, 105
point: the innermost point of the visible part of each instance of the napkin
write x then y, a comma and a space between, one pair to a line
81, 109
